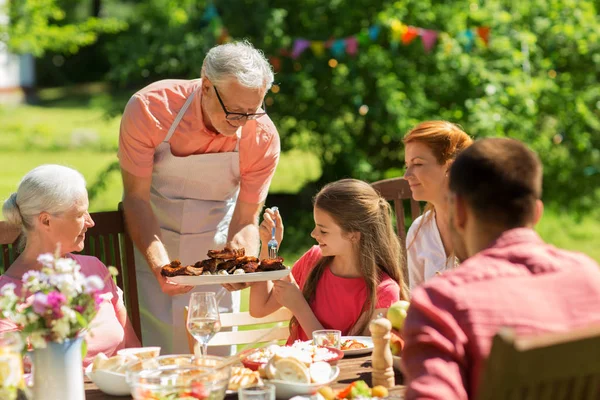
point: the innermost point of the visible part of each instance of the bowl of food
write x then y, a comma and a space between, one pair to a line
173, 360
108, 381
142, 353
293, 378
304, 352
197, 382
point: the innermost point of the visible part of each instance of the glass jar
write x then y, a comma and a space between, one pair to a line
197, 382
12, 382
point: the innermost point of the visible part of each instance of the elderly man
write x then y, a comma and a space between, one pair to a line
197, 158
510, 277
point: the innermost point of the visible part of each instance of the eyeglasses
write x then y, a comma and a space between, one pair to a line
234, 116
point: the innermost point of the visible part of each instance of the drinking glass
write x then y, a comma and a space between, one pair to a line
203, 318
327, 338
263, 392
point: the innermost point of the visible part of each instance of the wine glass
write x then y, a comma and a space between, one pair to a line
203, 319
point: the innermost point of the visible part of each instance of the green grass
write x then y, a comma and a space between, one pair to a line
564, 231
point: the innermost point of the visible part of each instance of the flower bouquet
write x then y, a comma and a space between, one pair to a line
53, 311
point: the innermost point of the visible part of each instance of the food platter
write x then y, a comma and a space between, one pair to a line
225, 266
221, 279
365, 340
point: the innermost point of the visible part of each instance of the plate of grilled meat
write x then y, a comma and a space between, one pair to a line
225, 266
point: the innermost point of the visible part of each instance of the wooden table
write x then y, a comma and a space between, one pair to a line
351, 369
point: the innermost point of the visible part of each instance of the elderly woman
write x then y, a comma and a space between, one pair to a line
51, 207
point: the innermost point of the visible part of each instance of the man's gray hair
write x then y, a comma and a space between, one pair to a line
239, 60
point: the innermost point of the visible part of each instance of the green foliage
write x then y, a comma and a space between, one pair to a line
537, 81
38, 26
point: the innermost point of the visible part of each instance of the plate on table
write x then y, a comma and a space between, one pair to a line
287, 390
255, 364
366, 340
232, 278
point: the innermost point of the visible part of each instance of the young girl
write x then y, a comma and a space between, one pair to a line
353, 274
430, 149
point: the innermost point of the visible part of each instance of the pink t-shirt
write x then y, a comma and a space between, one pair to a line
150, 113
338, 302
106, 333
518, 282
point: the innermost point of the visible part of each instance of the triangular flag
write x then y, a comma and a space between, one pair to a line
351, 45
216, 26
374, 32
398, 29
338, 47
484, 34
276, 63
224, 36
210, 13
410, 35
299, 46
470, 36
318, 48
363, 38
429, 38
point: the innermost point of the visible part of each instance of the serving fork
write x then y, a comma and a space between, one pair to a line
273, 245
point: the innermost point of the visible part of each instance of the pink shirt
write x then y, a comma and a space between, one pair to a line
339, 301
106, 333
150, 113
518, 282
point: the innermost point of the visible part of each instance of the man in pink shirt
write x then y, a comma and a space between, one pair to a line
509, 277
197, 158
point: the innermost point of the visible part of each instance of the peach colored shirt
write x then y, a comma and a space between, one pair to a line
106, 334
150, 113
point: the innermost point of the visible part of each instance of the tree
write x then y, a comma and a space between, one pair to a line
39, 26
537, 81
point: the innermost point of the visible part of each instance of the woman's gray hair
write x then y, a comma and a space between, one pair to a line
239, 60
48, 188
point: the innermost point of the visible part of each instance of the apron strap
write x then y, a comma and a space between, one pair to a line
179, 116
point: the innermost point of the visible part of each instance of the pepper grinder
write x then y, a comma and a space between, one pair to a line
382, 361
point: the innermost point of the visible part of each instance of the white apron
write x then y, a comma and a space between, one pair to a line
193, 199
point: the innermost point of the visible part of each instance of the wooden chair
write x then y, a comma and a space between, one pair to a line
558, 366
398, 190
108, 240
229, 320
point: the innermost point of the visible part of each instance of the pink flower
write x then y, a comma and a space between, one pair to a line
55, 301
98, 300
40, 303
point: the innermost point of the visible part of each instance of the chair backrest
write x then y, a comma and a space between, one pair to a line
108, 240
550, 366
244, 319
397, 190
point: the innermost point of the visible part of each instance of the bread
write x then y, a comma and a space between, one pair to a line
243, 377
291, 370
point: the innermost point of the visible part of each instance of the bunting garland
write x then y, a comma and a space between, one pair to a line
338, 47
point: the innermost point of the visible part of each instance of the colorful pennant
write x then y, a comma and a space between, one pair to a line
399, 33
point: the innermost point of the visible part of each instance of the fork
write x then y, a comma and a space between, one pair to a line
272, 245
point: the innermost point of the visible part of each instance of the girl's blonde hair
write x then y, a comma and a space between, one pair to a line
445, 139
356, 207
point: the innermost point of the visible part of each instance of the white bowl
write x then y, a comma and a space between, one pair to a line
396, 362
287, 390
143, 353
109, 382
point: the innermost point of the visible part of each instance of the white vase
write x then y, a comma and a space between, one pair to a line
58, 371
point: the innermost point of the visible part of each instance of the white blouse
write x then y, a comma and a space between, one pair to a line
425, 251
